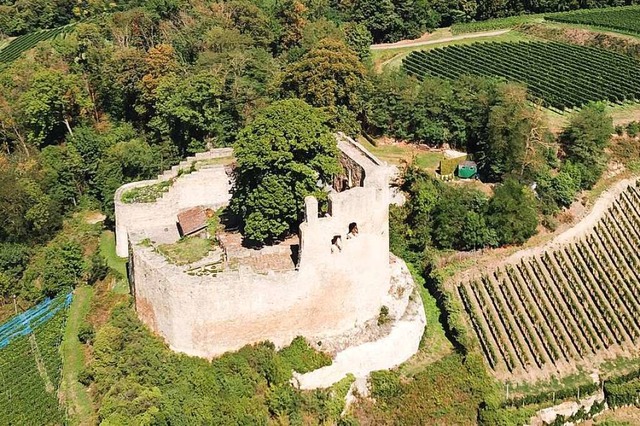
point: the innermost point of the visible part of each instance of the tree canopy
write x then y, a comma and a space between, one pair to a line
585, 139
330, 74
285, 154
512, 212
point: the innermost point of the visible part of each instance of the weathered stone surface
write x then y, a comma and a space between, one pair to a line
333, 290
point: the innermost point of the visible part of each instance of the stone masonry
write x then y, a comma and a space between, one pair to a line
336, 287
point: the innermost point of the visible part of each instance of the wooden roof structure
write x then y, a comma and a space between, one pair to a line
192, 221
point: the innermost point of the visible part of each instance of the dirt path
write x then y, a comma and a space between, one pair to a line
493, 259
422, 42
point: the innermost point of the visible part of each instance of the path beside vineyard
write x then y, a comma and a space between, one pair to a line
74, 394
496, 258
423, 42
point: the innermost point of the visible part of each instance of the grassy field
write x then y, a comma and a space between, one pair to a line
577, 379
397, 154
118, 264
187, 250
495, 24
621, 114
77, 400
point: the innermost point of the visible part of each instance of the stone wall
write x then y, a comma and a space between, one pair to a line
207, 316
208, 186
332, 292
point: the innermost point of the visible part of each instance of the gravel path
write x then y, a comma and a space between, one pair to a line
415, 43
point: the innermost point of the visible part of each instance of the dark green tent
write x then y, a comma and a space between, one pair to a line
467, 169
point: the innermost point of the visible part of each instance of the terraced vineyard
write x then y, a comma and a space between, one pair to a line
621, 19
21, 44
562, 75
576, 301
30, 365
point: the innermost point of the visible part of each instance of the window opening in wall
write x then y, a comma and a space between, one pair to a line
353, 230
336, 244
295, 255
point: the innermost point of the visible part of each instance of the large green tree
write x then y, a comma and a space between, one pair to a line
188, 109
512, 212
330, 74
54, 102
285, 154
585, 139
515, 132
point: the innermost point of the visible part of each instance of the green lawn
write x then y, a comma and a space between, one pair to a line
118, 264
397, 154
77, 399
187, 250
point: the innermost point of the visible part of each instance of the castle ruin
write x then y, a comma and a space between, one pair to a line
329, 284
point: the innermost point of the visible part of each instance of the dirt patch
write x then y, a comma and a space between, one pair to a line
94, 217
431, 39
625, 415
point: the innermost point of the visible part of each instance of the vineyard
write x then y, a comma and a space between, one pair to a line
561, 75
577, 301
621, 19
30, 365
23, 43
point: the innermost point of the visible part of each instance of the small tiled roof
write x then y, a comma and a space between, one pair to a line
192, 220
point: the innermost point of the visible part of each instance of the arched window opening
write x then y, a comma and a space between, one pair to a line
336, 244
353, 230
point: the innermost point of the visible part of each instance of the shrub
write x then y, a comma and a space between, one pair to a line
385, 384
302, 358
146, 194
64, 266
98, 269
383, 317
283, 400
86, 334
633, 129
85, 376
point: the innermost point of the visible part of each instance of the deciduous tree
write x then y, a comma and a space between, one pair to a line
328, 75
585, 139
285, 154
512, 212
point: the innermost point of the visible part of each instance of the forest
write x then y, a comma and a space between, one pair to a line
136, 86
386, 20
106, 105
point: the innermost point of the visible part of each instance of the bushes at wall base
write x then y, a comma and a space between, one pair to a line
302, 358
